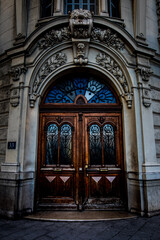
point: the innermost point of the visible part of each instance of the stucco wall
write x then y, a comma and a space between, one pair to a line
7, 24
4, 108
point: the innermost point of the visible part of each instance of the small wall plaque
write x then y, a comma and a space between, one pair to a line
11, 145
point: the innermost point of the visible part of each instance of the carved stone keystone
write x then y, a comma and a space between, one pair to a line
81, 24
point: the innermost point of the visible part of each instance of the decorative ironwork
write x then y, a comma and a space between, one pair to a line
66, 145
109, 145
52, 144
95, 145
68, 90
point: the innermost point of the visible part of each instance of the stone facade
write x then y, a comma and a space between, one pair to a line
37, 51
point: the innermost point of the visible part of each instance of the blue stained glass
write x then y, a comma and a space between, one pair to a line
103, 96
91, 89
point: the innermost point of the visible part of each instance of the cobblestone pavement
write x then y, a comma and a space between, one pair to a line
134, 229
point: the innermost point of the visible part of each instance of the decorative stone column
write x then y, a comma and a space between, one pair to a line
103, 8
21, 20
140, 19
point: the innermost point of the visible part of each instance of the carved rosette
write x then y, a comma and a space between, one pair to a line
50, 65
80, 23
112, 66
15, 72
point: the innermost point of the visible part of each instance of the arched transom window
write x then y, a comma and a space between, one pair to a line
91, 89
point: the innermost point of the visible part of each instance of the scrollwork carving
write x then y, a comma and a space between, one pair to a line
112, 66
54, 36
109, 63
108, 37
52, 63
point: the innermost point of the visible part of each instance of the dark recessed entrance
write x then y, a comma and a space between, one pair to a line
80, 146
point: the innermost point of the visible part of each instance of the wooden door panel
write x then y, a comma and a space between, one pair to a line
80, 182
57, 177
103, 179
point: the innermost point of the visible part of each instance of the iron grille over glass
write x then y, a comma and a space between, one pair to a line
91, 89
95, 145
65, 145
59, 145
109, 144
70, 5
102, 145
52, 144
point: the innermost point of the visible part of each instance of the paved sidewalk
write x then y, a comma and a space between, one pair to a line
134, 229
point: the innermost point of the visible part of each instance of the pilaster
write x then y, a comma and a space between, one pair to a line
21, 21
58, 8
103, 8
140, 20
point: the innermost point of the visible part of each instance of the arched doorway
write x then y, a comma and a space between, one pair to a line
80, 160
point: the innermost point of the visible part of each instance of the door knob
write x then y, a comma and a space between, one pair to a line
86, 166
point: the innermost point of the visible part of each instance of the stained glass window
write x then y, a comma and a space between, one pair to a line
95, 145
70, 5
109, 144
66, 145
52, 144
69, 89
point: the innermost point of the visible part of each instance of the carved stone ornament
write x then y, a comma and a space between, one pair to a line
51, 64
15, 96
146, 97
146, 73
80, 23
108, 37
15, 72
112, 66
53, 37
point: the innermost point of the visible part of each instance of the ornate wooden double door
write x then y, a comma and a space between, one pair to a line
80, 160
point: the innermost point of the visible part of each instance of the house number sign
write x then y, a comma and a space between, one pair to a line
11, 145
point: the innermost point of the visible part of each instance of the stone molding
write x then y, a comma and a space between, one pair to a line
15, 72
50, 65
113, 67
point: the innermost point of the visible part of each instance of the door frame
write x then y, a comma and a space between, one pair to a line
101, 109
